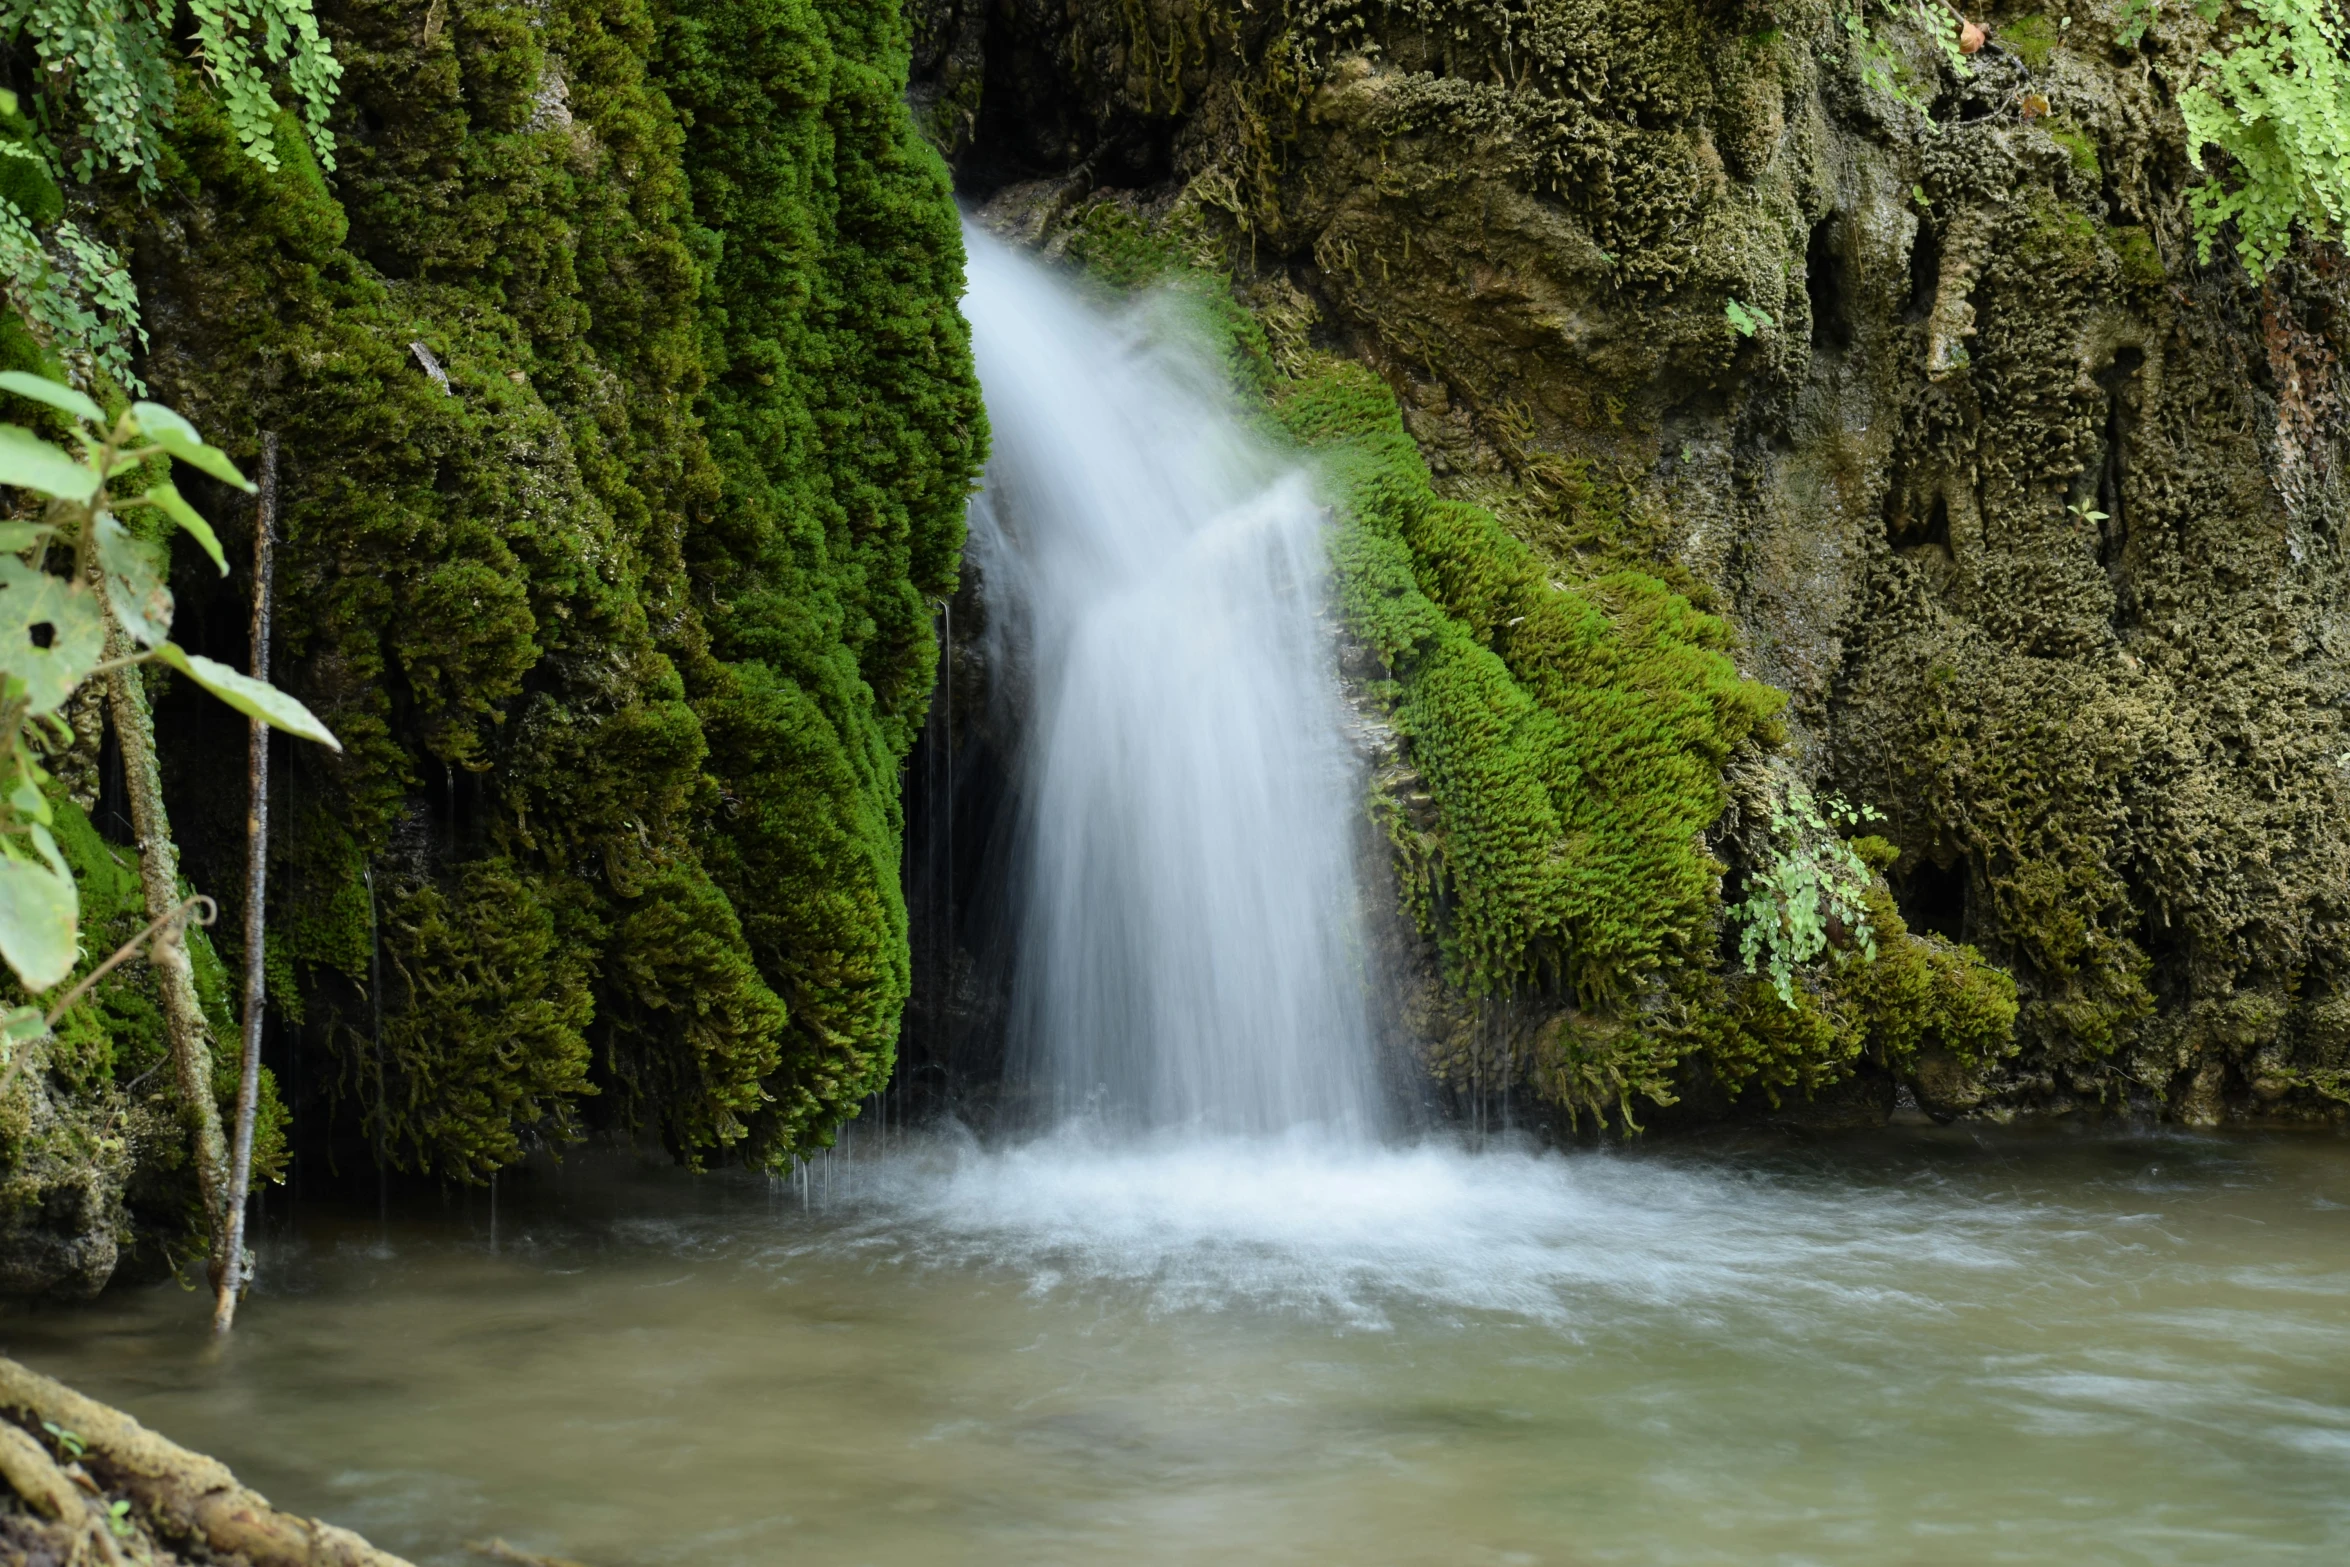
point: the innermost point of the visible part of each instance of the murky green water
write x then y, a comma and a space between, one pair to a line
1933, 1347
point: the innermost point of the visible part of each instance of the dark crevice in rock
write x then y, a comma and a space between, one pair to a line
1825, 284
1925, 273
1933, 898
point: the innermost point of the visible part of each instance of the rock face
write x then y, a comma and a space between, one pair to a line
1905, 365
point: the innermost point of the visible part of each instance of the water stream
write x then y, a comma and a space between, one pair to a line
1202, 1312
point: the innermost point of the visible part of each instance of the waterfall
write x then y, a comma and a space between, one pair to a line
1183, 892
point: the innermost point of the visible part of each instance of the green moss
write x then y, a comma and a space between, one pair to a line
486, 1008
2033, 38
843, 412
626, 631
1573, 737
1916, 993
2141, 263
2059, 238
2081, 147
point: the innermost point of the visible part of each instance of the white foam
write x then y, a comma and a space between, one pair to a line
1321, 1225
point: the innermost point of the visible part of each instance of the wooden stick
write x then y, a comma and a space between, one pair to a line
188, 1035
231, 1280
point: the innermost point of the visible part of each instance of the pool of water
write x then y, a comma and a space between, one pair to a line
1929, 1346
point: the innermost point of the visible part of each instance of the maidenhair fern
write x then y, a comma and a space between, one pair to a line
286, 32
112, 55
110, 61
2277, 102
74, 293
1815, 886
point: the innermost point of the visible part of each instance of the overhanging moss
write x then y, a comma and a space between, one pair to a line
1574, 736
627, 422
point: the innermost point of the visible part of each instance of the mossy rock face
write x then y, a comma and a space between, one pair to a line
626, 423
2036, 524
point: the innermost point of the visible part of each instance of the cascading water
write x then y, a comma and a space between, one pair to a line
1184, 883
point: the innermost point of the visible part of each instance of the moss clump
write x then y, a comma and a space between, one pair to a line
1573, 736
2141, 263
842, 411
490, 958
1914, 993
2033, 38
2081, 147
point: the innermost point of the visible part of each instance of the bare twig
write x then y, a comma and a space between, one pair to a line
240, 1180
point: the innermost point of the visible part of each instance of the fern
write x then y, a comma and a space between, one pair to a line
289, 37
2277, 104
114, 55
74, 294
111, 59
1815, 881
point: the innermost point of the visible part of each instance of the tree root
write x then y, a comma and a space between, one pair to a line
178, 1495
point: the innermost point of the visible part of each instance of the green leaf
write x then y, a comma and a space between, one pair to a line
38, 911
135, 589
27, 800
22, 1025
76, 639
176, 507
1745, 319
178, 437
42, 390
30, 463
19, 536
254, 698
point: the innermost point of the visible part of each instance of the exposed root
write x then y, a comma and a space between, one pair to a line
175, 1498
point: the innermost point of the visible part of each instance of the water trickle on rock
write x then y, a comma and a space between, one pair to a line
1184, 880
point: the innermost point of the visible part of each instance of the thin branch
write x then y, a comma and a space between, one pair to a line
240, 1178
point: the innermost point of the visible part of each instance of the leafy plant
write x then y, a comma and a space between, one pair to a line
1745, 319
1817, 881
111, 60
2277, 103
109, 610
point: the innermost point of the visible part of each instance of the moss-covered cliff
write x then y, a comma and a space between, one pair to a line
627, 420
1905, 367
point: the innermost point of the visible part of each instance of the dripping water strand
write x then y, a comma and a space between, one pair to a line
375, 1003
